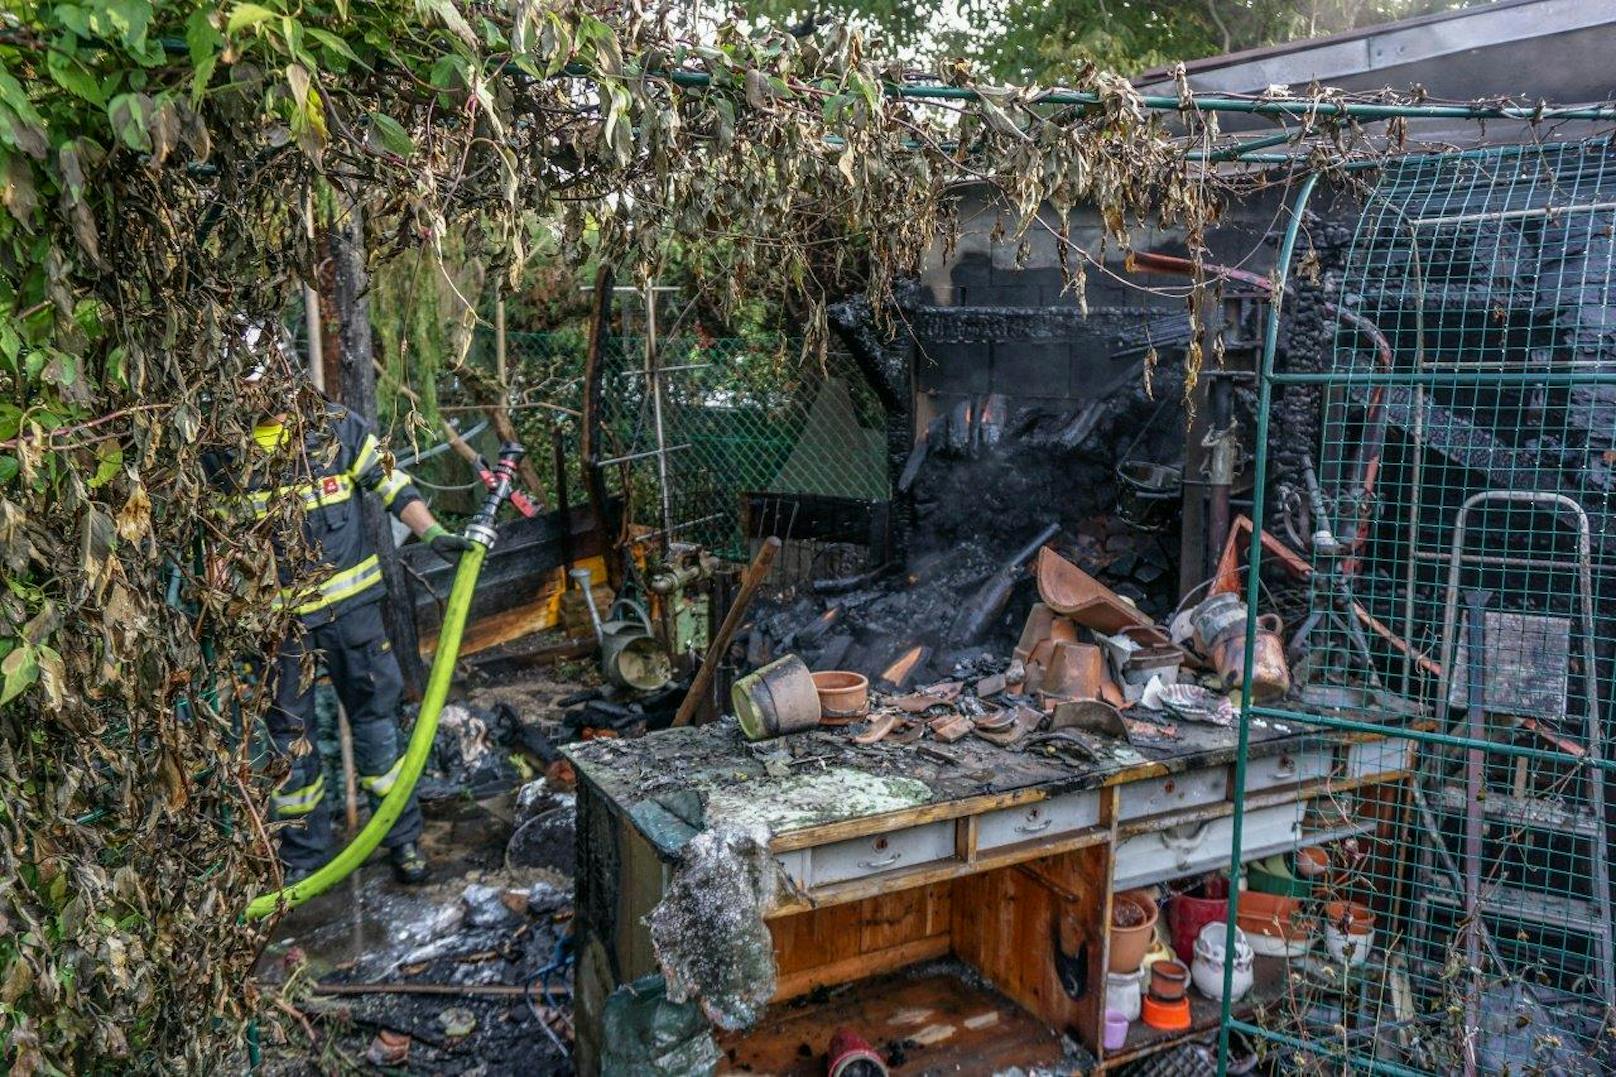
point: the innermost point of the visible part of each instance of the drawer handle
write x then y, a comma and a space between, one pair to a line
1035, 828
870, 865
1183, 844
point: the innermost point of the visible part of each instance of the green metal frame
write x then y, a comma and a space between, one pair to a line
1501, 334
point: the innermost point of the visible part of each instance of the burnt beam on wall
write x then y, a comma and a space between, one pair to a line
887, 361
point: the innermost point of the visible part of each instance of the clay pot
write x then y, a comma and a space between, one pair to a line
1187, 913
1076, 671
1122, 993
1311, 862
1349, 931
1169, 980
1210, 957
1274, 923
775, 700
843, 696
1133, 923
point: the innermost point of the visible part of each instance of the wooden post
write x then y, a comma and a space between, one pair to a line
359, 396
600, 314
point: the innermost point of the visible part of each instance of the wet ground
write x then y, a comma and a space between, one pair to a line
465, 975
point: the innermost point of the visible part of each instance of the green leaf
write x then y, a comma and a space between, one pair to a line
20, 669
334, 43
71, 75
131, 115
111, 460
246, 16
201, 38
390, 134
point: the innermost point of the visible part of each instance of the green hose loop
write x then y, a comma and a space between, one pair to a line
415, 756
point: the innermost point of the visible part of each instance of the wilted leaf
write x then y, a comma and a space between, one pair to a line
18, 192
130, 114
134, 519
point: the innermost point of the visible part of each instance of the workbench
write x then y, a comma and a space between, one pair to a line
1004, 859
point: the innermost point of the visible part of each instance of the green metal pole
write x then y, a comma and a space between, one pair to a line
1211, 102
1282, 267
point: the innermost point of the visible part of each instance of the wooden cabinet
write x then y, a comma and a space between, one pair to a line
1016, 883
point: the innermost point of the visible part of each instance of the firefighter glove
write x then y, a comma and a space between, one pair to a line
445, 543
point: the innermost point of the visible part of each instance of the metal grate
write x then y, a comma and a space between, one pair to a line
1465, 606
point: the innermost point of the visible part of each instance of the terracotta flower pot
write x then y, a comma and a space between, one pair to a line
1168, 980
1349, 917
1133, 922
844, 696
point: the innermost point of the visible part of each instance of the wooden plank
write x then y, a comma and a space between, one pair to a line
639, 890
892, 919
816, 938
860, 966
1007, 925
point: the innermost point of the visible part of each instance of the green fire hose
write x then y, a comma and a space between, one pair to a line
481, 532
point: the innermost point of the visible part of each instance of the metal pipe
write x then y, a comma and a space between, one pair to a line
640, 455
581, 577
1220, 467
1265, 403
654, 376
558, 455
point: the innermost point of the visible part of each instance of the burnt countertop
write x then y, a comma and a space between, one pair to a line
674, 783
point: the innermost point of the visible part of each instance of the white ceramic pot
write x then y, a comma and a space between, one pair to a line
1122, 993
1207, 969
1351, 949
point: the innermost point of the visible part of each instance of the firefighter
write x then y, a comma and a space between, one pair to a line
337, 601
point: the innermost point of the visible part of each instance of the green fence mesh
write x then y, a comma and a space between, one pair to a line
738, 416
1460, 604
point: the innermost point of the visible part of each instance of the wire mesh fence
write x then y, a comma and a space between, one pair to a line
738, 416
1459, 624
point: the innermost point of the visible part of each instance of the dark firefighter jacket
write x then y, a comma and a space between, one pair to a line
338, 461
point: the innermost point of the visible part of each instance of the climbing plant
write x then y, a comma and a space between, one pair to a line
154, 162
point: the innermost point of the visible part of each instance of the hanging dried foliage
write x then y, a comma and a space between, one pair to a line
154, 161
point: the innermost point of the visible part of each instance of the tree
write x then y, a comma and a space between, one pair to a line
1052, 41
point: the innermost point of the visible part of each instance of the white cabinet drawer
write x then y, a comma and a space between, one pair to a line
1288, 768
1379, 757
1041, 819
895, 851
1173, 792
1193, 848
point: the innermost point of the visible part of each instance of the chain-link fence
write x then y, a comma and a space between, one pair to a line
738, 416
1460, 605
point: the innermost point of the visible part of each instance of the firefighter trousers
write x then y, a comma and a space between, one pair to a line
355, 650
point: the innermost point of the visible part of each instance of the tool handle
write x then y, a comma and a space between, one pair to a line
750, 582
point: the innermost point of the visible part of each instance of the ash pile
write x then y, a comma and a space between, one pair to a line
989, 482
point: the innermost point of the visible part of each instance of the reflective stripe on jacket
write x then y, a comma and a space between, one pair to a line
338, 461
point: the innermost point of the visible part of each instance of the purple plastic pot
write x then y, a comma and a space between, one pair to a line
1116, 1030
